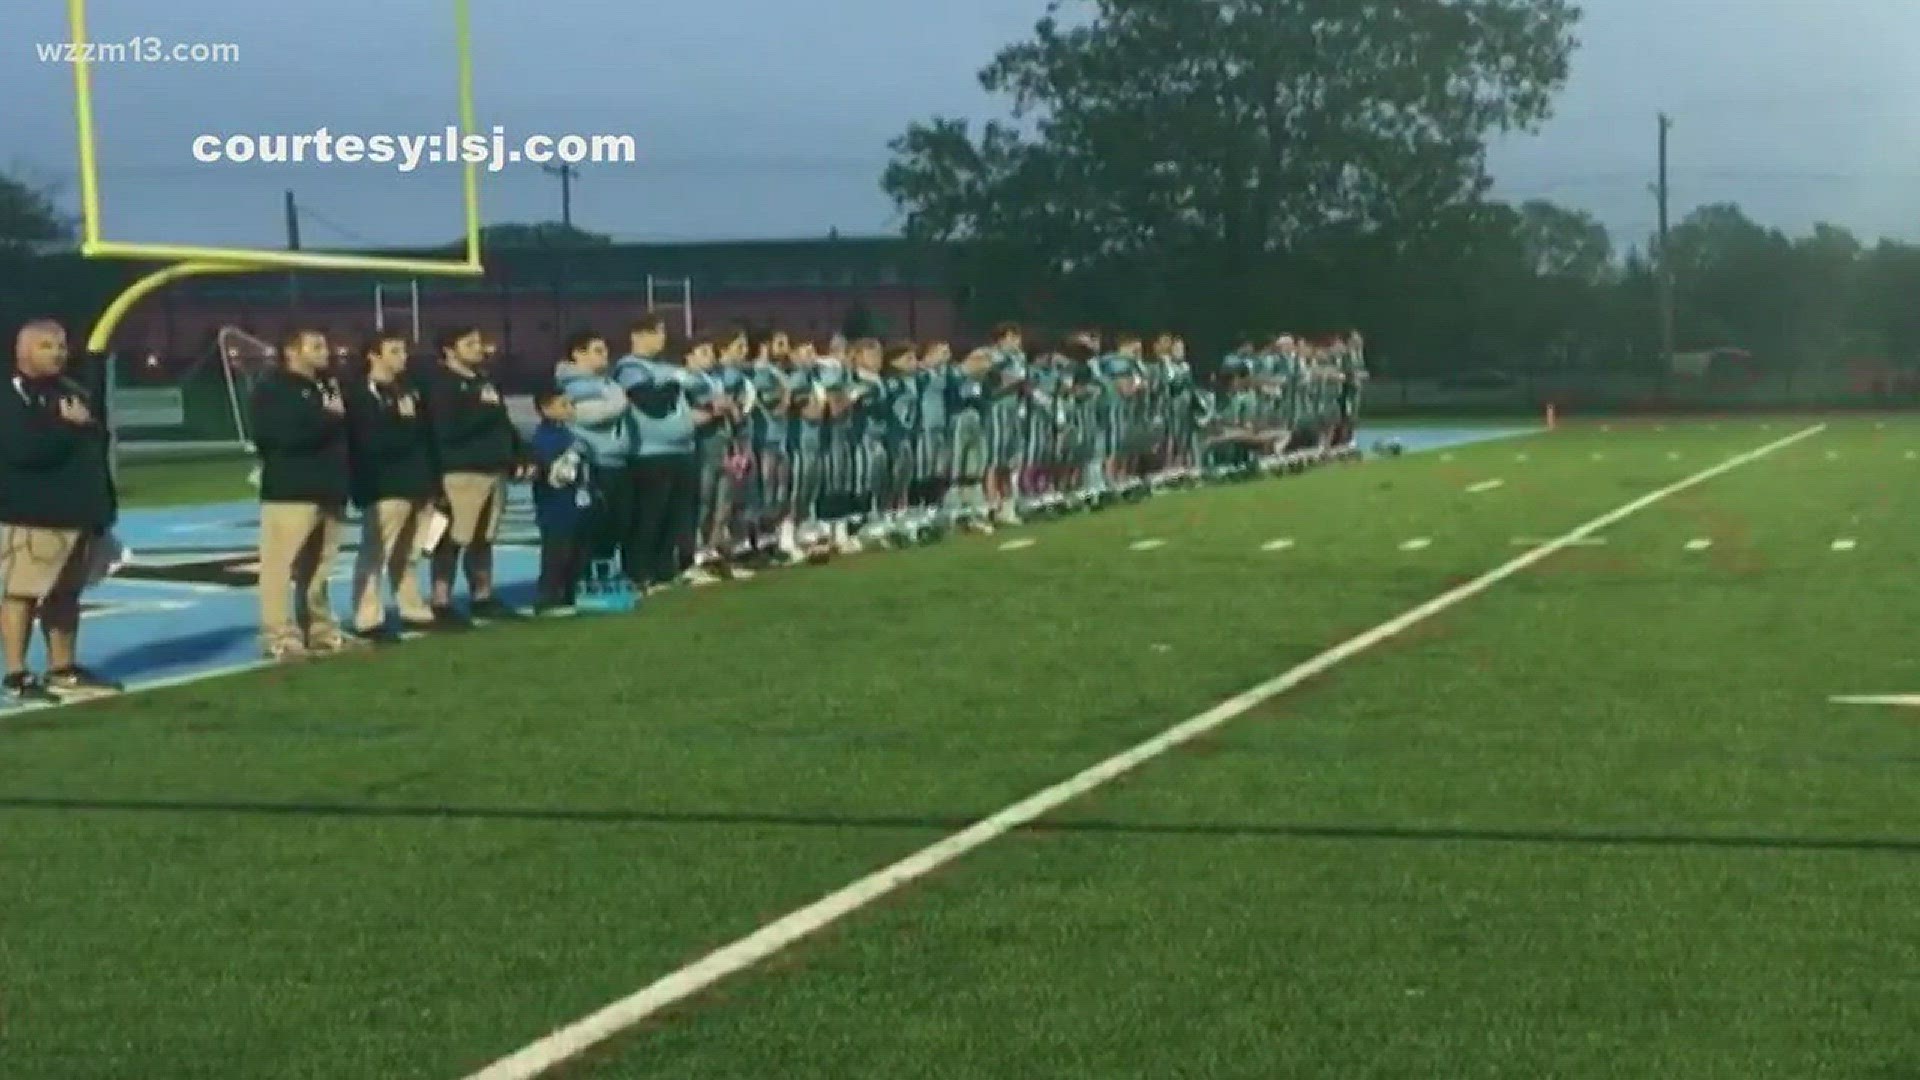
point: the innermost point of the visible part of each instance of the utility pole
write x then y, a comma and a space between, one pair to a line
567, 175
293, 244
1666, 253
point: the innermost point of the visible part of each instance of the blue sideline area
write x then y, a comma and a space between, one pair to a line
185, 607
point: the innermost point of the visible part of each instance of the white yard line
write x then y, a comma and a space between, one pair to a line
1845, 544
1418, 543
1532, 541
1276, 545
575, 1038
1484, 486
1147, 545
1019, 545
1699, 544
155, 583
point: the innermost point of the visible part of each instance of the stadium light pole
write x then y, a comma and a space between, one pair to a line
1661, 192
567, 174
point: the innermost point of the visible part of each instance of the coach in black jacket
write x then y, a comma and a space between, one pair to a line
300, 432
56, 504
476, 449
394, 485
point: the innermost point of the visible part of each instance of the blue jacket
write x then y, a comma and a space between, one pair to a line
556, 508
662, 419
601, 414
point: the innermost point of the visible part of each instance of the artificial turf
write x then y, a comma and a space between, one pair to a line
1601, 821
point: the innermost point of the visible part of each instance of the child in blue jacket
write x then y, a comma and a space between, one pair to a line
561, 500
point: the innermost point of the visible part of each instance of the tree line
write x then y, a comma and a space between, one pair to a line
1226, 166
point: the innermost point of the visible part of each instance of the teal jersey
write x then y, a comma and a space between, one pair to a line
933, 385
1179, 378
736, 383
1109, 371
1046, 384
769, 387
867, 416
903, 405
832, 377
1006, 376
803, 383
965, 393
703, 391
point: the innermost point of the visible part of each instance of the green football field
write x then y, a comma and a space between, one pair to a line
1593, 816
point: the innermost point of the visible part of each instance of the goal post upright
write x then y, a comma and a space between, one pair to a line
180, 261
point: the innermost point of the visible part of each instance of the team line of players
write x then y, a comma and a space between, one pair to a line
809, 449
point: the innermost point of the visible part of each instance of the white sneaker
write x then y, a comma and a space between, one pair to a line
699, 577
741, 573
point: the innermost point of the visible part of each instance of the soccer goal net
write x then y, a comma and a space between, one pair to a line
159, 409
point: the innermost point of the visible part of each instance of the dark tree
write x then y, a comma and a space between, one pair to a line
1185, 152
28, 217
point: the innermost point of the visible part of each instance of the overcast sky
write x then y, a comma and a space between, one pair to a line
771, 117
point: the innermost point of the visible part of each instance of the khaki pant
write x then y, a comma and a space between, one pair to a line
388, 532
475, 502
297, 544
36, 563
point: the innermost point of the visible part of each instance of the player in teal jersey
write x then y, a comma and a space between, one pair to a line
1158, 372
704, 395
713, 367
865, 454
967, 404
1353, 377
933, 456
899, 435
1178, 376
1118, 374
1046, 424
806, 445
1006, 418
834, 377
1085, 404
772, 474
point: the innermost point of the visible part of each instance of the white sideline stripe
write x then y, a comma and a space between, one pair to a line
1147, 545
1875, 699
142, 687
1531, 541
1016, 545
569, 1041
1484, 486
1699, 544
1416, 544
1276, 545
118, 582
137, 607
1845, 545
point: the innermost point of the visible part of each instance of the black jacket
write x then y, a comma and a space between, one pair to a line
392, 452
302, 446
53, 474
470, 433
